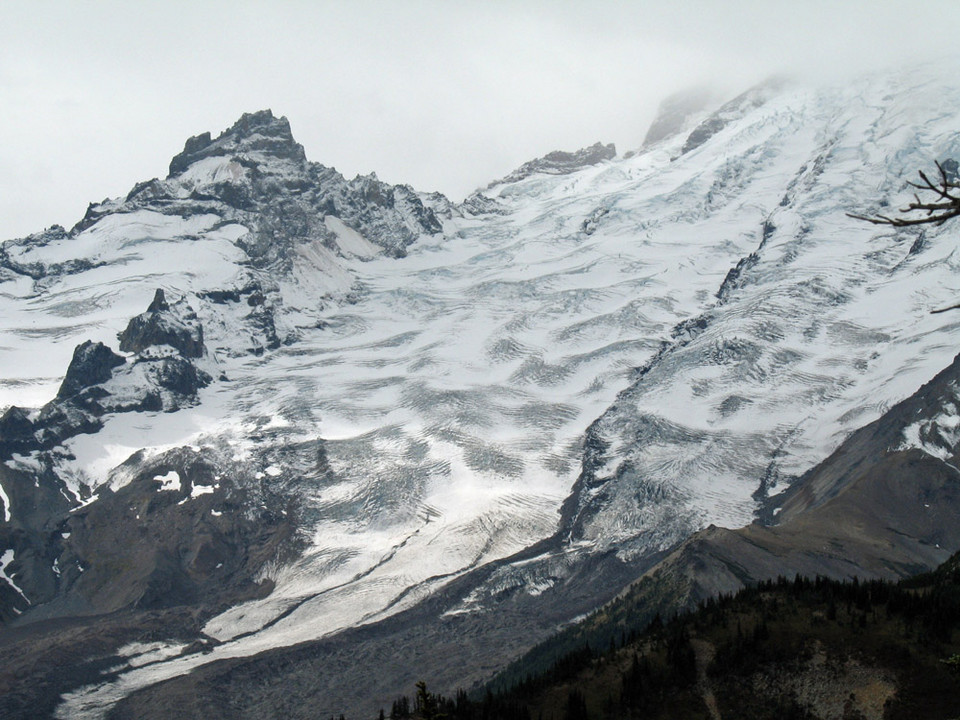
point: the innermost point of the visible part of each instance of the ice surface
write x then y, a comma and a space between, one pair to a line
138, 654
826, 327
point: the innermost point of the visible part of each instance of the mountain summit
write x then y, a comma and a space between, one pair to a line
254, 134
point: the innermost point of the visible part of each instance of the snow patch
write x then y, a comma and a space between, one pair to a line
350, 242
5, 560
170, 481
92, 499
6, 504
138, 654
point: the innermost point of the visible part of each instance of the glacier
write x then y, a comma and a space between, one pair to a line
614, 357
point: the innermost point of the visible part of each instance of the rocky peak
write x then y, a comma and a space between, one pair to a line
371, 190
560, 162
175, 325
733, 110
92, 364
159, 302
256, 174
254, 134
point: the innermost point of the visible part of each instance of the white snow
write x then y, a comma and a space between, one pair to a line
350, 242
7, 508
132, 254
209, 171
5, 560
169, 481
26, 463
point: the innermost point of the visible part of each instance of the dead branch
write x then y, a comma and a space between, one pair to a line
946, 205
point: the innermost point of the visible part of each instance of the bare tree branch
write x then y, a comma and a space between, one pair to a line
944, 207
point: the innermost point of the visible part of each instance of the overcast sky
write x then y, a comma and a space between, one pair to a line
96, 96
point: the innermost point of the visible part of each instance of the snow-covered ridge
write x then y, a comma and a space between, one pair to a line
824, 325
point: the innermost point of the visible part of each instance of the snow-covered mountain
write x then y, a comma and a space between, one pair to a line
303, 405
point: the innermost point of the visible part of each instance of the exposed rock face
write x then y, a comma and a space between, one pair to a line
189, 542
730, 112
163, 324
161, 377
92, 364
180, 537
176, 566
15, 425
254, 133
560, 162
176, 374
257, 168
951, 169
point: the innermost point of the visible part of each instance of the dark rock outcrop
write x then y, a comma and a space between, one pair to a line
951, 168
163, 324
140, 564
92, 364
257, 132
162, 377
730, 112
560, 162
15, 425
176, 374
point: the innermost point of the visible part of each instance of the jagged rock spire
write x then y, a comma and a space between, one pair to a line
163, 324
254, 133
